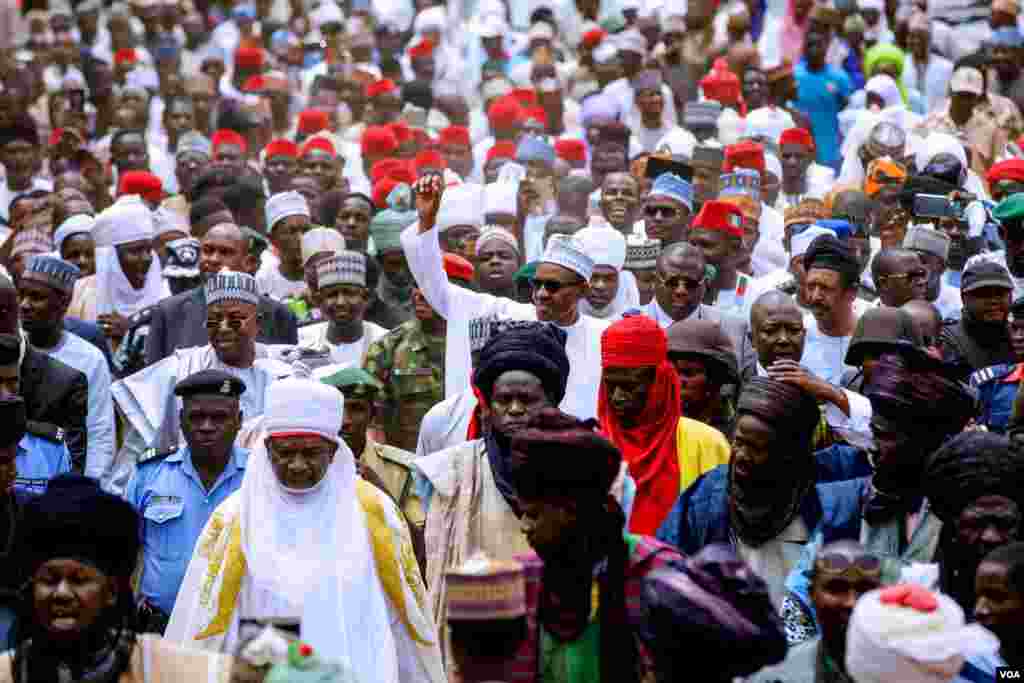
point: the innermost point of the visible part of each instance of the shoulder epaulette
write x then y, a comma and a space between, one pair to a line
143, 317
395, 455
45, 430
156, 455
979, 377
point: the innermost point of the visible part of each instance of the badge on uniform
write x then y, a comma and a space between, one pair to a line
226, 387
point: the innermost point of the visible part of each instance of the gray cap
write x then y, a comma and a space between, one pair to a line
928, 240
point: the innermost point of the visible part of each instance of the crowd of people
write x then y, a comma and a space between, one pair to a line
550, 341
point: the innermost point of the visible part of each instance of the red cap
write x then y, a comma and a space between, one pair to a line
142, 183
537, 114
458, 268
744, 154
797, 136
455, 135
254, 84
422, 137
226, 136
428, 158
380, 87
378, 141
593, 37
504, 113
719, 215
721, 84
281, 148
384, 168
1011, 169
126, 55
571, 150
401, 130
381, 190
525, 96
503, 149
312, 121
424, 48
249, 57
318, 144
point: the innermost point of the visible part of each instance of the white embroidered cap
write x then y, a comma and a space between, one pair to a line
568, 252
321, 239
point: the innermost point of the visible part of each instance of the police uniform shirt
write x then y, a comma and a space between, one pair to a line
38, 461
174, 506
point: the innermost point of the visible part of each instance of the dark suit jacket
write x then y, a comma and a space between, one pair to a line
179, 322
91, 333
56, 395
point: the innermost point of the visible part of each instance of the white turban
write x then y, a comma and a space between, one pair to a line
127, 220
767, 123
500, 198
605, 245
461, 205
76, 225
296, 406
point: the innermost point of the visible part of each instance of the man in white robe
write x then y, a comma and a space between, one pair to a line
306, 538
612, 290
146, 399
564, 271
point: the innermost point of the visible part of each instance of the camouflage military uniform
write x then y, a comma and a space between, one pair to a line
394, 468
410, 366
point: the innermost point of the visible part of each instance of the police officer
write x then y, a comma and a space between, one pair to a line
998, 385
39, 453
176, 491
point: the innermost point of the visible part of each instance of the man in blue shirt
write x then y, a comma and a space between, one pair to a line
36, 459
822, 91
176, 491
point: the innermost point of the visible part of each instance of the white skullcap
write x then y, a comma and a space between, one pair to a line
76, 225
321, 239
605, 246
893, 642
772, 164
500, 198
327, 13
167, 220
605, 52
678, 141
767, 123
799, 243
127, 220
461, 205
297, 406
496, 232
285, 204
568, 252
631, 40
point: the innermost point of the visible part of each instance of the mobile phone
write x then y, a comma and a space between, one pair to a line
935, 206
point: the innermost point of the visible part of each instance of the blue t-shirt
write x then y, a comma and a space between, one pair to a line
820, 96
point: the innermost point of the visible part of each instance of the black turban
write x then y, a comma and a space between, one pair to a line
75, 519
24, 128
828, 252
559, 456
926, 398
969, 466
534, 347
778, 403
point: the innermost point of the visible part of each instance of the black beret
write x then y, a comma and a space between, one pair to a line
215, 382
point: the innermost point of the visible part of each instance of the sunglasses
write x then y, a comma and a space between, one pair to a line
553, 286
233, 323
673, 282
661, 211
835, 563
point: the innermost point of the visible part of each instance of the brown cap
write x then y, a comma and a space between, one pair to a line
706, 339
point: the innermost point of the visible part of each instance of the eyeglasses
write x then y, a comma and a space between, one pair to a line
912, 276
552, 286
673, 282
835, 563
233, 322
667, 212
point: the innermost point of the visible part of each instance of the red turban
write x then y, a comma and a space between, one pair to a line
388, 168
721, 84
524, 96
649, 448
254, 84
312, 121
428, 158
126, 55
378, 141
458, 268
797, 136
593, 38
1011, 169
381, 191
721, 216
281, 148
504, 113
424, 48
455, 135
249, 58
401, 131
318, 145
226, 136
571, 149
381, 87
503, 149
744, 154
142, 183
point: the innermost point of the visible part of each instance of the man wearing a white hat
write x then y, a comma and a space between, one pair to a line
342, 296
146, 398
288, 219
459, 220
315, 543
612, 291
560, 283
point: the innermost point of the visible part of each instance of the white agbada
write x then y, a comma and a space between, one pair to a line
128, 220
458, 306
315, 554
349, 355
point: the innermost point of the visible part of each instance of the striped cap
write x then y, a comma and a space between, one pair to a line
342, 268
230, 285
483, 589
52, 271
